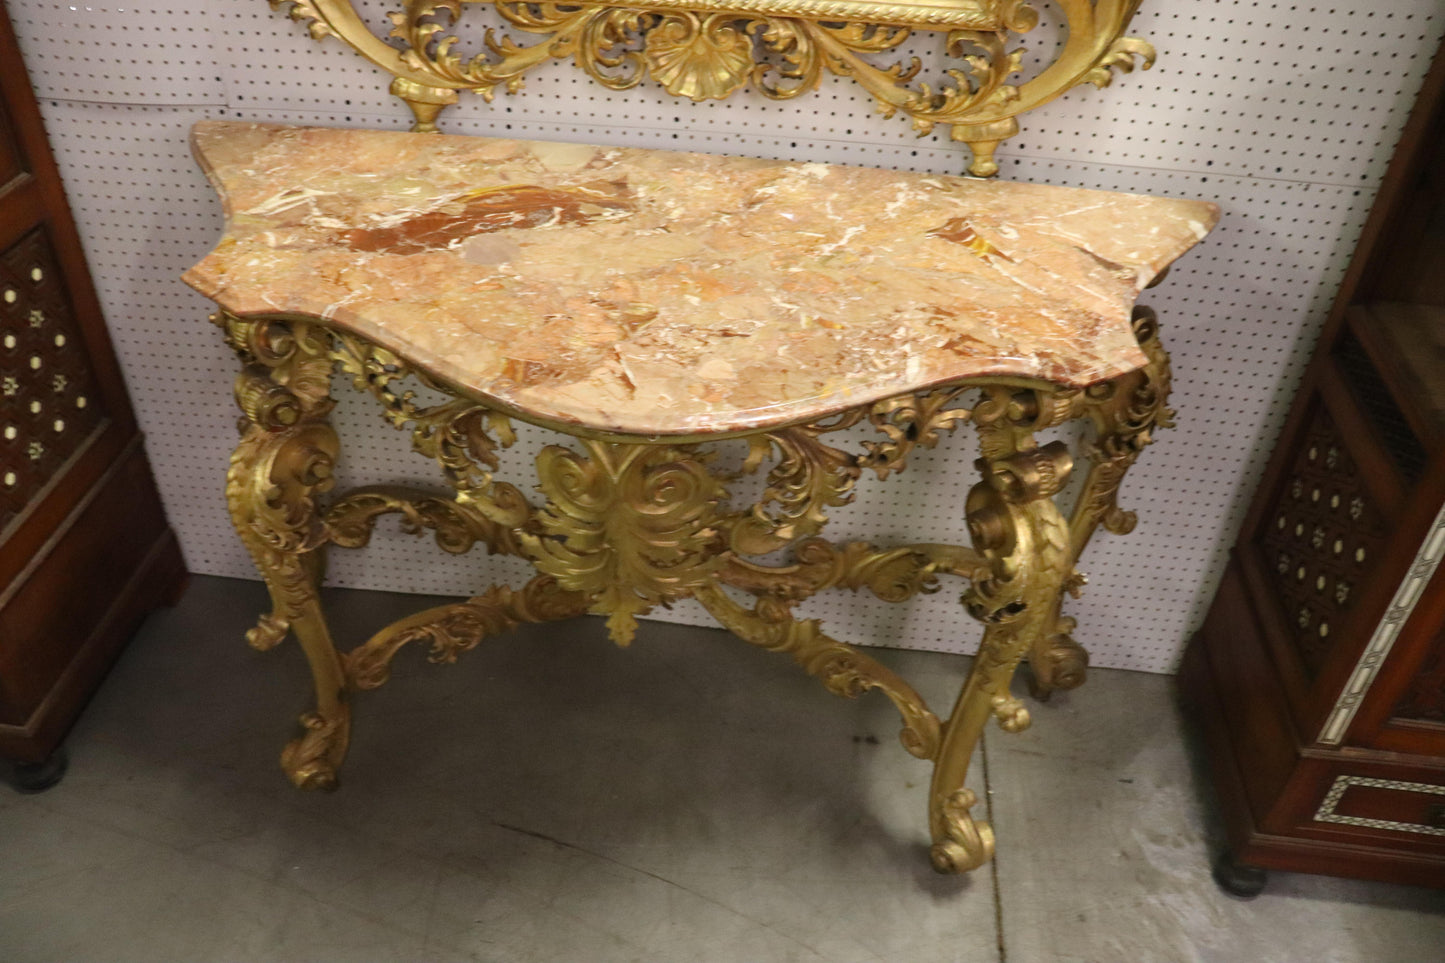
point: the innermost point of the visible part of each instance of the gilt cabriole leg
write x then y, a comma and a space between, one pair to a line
284, 460
1124, 413
1024, 539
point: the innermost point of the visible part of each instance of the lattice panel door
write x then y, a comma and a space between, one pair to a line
85, 551
1325, 532
46, 381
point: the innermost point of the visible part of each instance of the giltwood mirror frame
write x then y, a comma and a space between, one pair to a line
709, 49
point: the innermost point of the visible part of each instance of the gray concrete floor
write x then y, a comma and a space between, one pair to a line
553, 798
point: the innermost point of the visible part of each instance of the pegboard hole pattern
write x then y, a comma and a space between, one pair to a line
1285, 114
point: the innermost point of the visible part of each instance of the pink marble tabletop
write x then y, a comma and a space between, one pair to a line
661, 293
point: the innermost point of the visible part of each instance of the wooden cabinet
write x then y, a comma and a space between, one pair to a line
85, 551
1319, 674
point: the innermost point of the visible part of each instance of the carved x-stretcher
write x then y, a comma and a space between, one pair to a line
652, 305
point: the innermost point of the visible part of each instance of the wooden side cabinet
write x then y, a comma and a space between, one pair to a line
85, 551
1319, 673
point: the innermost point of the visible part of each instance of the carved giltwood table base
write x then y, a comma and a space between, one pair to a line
628, 522
655, 307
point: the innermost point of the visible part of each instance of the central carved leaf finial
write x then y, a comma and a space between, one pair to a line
629, 526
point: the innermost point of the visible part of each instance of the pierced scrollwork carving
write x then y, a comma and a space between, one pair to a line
704, 49
462, 436
893, 575
306, 12
453, 629
1125, 413
842, 669
908, 422
1120, 55
286, 376
629, 526
1007, 418
808, 478
458, 526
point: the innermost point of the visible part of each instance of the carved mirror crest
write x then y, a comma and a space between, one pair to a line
709, 49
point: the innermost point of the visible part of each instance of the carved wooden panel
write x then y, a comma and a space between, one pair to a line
48, 401
1321, 539
1392, 428
1424, 701
11, 165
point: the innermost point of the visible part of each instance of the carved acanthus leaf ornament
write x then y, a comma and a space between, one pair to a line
709, 49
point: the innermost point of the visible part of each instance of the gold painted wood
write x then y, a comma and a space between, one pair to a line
283, 462
630, 523
709, 49
623, 522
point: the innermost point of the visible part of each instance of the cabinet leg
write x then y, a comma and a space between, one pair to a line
36, 777
1239, 879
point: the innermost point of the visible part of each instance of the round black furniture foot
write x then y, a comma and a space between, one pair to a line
1238, 879
33, 777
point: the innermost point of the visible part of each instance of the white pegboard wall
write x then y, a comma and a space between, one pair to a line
72, 48
1283, 113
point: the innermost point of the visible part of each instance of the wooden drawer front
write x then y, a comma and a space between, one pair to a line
1384, 804
46, 618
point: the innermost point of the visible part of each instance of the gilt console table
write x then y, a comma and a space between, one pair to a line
653, 307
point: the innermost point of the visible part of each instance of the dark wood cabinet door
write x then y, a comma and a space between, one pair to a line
85, 550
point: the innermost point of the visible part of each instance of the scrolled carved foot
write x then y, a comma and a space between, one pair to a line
1012, 715
967, 843
311, 760
1061, 663
268, 633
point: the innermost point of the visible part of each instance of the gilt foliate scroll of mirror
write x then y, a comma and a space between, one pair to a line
709, 49
626, 522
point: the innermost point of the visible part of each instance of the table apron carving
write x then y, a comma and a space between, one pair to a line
626, 523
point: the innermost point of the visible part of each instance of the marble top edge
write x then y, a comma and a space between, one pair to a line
976, 280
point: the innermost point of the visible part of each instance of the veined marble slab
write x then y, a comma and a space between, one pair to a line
662, 293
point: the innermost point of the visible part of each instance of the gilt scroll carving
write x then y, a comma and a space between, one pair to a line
626, 524
710, 49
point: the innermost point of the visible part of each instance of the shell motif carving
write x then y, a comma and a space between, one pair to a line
700, 58
707, 49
